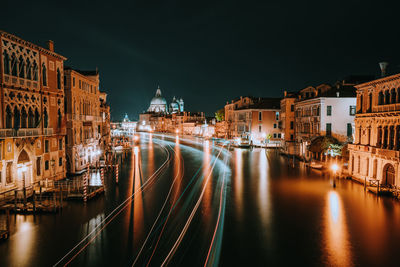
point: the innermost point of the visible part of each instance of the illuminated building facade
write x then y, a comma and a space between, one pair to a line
84, 119
325, 110
105, 117
32, 125
375, 154
286, 123
257, 122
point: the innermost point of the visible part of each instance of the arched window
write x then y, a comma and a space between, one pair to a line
360, 108
28, 69
6, 62
44, 75
381, 98
58, 79
387, 97
21, 67
17, 118
398, 95
370, 102
14, 70
37, 118
8, 118
31, 119
35, 71
45, 119
59, 117
24, 117
393, 96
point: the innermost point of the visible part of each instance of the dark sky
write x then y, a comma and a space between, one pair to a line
209, 52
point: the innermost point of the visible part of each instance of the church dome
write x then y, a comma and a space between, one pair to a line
158, 103
158, 100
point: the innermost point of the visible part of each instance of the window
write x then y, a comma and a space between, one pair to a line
38, 166
6, 63
60, 144
35, 71
291, 125
60, 161
291, 137
9, 172
292, 108
21, 67
328, 110
73, 81
328, 129
274, 135
259, 128
44, 75
277, 115
349, 130
46, 165
80, 84
260, 116
279, 135
58, 79
352, 110
274, 125
14, 70
46, 145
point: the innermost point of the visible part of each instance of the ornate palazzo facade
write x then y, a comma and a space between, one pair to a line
375, 153
32, 125
85, 106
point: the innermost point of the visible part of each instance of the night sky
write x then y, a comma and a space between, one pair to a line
209, 52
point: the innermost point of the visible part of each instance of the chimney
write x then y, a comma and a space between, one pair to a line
50, 45
337, 94
383, 66
285, 93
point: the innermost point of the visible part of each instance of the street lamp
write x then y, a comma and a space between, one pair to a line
334, 168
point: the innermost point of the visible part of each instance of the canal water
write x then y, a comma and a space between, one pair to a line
254, 207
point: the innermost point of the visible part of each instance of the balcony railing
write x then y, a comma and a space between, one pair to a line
25, 132
12, 80
386, 108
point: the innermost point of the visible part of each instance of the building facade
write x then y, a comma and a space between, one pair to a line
258, 122
84, 120
287, 122
324, 111
375, 154
32, 123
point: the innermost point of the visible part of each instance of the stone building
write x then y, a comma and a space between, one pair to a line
286, 123
324, 110
257, 122
105, 117
231, 127
84, 120
32, 121
375, 154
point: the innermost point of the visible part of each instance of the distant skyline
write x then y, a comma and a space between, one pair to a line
209, 52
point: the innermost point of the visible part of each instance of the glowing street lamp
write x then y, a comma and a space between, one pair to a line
334, 168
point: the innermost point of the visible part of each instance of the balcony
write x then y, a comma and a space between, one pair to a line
25, 132
386, 108
20, 82
382, 152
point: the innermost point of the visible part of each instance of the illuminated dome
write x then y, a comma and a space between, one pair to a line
174, 106
158, 104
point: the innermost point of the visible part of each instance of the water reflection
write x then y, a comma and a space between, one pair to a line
23, 241
138, 198
263, 188
207, 175
337, 250
238, 182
